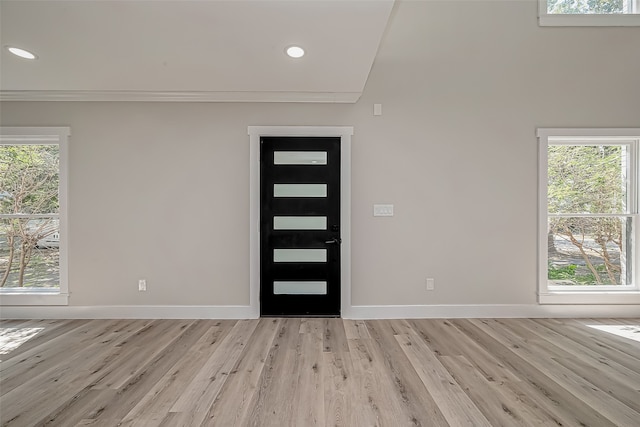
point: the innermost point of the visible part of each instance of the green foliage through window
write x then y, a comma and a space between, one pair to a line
29, 205
585, 184
573, 274
605, 7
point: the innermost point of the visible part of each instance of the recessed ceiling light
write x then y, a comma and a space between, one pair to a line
21, 52
295, 51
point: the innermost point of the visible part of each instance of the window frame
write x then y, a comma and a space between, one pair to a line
44, 136
606, 294
587, 20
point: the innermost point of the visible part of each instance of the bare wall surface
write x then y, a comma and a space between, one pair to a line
160, 191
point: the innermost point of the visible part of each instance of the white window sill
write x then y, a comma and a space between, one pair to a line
630, 20
39, 298
596, 298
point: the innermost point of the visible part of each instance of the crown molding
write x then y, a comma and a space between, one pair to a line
194, 96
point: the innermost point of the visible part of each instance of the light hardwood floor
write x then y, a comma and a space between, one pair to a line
328, 372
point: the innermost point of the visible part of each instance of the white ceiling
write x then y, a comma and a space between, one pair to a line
207, 50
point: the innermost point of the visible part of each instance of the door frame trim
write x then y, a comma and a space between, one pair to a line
345, 133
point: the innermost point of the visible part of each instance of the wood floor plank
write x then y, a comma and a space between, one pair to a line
604, 364
458, 343
97, 423
518, 398
272, 404
312, 326
435, 332
631, 347
621, 393
329, 372
456, 407
231, 407
47, 356
417, 403
335, 337
173, 419
626, 328
571, 410
78, 395
157, 402
375, 405
14, 323
579, 333
621, 384
14, 336
54, 391
131, 393
136, 354
340, 396
308, 400
519, 395
204, 387
50, 329
356, 329
82, 406
532, 351
496, 400
56, 386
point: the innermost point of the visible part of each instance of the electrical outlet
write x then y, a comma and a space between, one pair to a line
431, 284
142, 285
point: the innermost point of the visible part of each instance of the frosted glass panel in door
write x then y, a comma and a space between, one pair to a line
300, 288
300, 158
299, 190
299, 222
299, 255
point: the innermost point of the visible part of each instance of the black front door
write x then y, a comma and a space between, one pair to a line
300, 226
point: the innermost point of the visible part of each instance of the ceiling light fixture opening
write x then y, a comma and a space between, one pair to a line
21, 52
295, 51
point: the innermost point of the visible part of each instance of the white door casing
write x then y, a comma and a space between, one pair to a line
255, 132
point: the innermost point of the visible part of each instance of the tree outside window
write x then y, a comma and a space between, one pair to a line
29, 216
589, 213
587, 7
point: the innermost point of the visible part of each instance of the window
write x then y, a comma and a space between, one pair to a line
588, 226
33, 200
589, 12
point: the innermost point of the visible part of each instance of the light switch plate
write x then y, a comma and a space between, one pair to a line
382, 210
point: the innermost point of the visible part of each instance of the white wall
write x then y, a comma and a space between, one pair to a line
160, 191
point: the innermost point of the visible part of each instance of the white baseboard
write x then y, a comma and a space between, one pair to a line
129, 312
175, 96
354, 312
488, 311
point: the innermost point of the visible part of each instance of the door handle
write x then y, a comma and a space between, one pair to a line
335, 240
